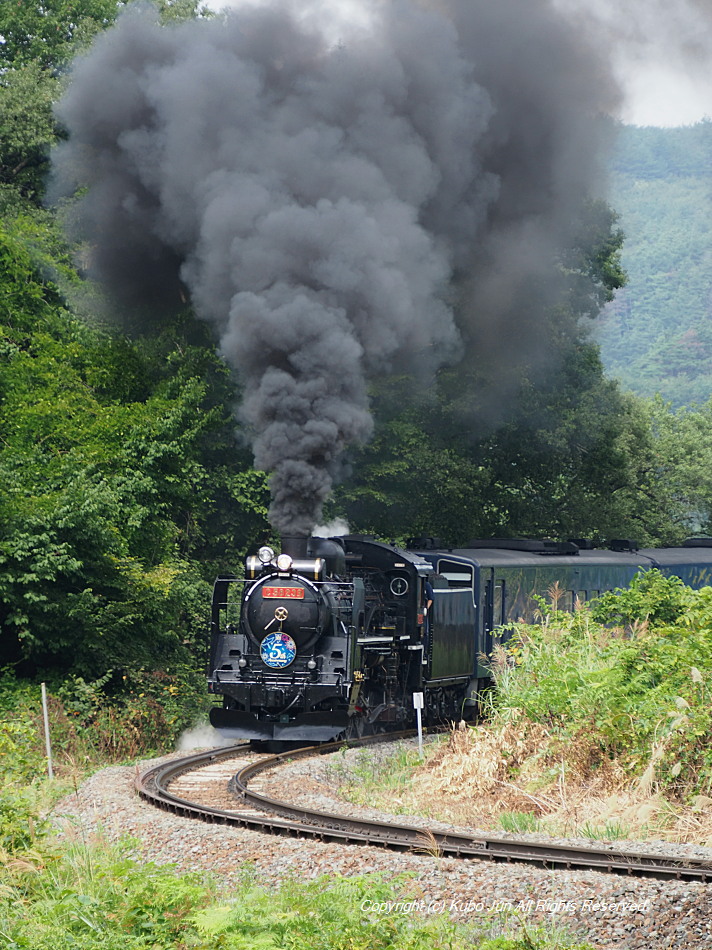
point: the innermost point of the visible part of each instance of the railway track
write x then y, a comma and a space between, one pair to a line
171, 785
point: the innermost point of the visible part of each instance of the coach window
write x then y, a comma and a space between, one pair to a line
499, 601
457, 575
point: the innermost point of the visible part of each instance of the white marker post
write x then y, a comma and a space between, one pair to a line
418, 705
48, 744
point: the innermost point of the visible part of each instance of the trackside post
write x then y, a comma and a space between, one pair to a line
48, 743
418, 704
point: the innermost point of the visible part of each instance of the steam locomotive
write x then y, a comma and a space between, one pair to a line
332, 637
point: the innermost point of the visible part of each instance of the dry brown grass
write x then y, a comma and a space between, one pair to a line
481, 773
428, 845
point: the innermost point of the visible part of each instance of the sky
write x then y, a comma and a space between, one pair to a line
661, 51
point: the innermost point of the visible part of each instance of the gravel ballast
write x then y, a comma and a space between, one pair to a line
605, 910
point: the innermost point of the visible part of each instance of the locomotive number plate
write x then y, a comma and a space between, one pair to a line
283, 593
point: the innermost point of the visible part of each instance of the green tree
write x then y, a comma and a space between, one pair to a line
680, 465
576, 459
592, 261
121, 488
412, 479
46, 32
27, 128
39, 39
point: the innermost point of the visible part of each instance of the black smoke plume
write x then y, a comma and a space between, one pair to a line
320, 197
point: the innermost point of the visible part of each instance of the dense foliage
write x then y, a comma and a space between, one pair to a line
120, 495
124, 488
636, 693
656, 337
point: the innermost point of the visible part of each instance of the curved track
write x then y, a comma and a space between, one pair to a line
260, 812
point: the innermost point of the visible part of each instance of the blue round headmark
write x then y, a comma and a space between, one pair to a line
278, 650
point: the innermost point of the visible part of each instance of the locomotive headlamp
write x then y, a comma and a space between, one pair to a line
284, 562
242, 663
311, 664
265, 554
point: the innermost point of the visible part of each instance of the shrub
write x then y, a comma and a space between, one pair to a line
650, 598
636, 696
20, 824
93, 722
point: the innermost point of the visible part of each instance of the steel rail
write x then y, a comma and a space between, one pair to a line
277, 817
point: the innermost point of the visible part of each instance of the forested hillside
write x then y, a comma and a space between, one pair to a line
657, 335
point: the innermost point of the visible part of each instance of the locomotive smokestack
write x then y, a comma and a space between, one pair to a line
295, 545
